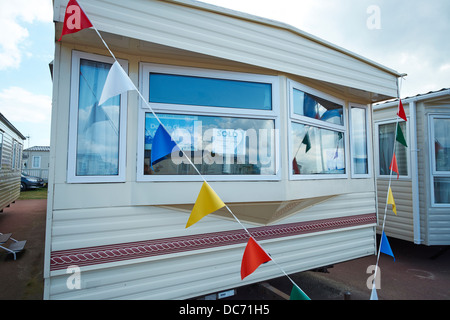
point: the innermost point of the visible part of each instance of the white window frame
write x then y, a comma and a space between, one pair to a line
368, 142
293, 117
32, 162
274, 114
433, 172
73, 123
377, 148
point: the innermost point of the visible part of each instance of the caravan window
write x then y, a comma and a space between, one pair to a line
359, 141
440, 158
209, 92
387, 143
36, 162
96, 139
224, 122
317, 134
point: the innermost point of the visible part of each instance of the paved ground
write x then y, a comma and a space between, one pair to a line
418, 273
22, 279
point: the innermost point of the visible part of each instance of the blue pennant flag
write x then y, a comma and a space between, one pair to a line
385, 247
162, 145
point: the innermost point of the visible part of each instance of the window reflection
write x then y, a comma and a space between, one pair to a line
98, 125
442, 162
317, 151
210, 92
314, 107
359, 141
215, 145
386, 136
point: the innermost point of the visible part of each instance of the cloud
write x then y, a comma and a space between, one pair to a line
412, 37
14, 35
30, 113
20, 105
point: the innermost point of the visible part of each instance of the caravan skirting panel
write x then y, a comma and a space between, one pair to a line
134, 250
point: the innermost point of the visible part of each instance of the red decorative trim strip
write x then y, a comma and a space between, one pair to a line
118, 252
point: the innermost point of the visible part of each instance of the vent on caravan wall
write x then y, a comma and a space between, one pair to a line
262, 213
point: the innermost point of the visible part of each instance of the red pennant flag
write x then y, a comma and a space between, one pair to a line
401, 111
393, 166
295, 166
75, 19
253, 257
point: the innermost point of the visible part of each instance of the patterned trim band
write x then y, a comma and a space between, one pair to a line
133, 250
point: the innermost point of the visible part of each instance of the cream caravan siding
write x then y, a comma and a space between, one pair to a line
180, 276
108, 225
400, 226
238, 37
209, 271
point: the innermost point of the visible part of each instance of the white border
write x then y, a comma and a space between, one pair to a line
73, 123
433, 172
368, 142
318, 124
274, 114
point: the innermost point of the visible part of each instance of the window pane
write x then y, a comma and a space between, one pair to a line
317, 151
216, 145
386, 136
187, 90
314, 107
442, 190
442, 144
359, 141
36, 162
98, 125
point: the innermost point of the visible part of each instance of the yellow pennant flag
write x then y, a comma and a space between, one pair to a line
207, 202
391, 201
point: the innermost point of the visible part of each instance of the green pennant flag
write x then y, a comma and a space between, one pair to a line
400, 137
298, 294
307, 142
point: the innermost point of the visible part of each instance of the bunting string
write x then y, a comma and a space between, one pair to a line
384, 246
118, 82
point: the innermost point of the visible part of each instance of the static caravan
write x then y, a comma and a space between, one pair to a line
11, 145
277, 121
422, 190
36, 161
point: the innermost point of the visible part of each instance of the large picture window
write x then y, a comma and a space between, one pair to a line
440, 159
225, 122
317, 134
97, 132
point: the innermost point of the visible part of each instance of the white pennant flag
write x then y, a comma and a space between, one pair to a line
373, 294
117, 82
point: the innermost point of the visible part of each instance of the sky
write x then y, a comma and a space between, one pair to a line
409, 36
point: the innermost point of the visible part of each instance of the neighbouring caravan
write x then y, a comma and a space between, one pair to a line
35, 161
11, 145
278, 121
422, 190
